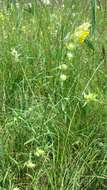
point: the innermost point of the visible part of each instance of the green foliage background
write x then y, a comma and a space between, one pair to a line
39, 110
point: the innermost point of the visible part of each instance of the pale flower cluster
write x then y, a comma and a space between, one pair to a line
79, 36
15, 54
72, 42
90, 97
81, 32
63, 69
39, 152
30, 164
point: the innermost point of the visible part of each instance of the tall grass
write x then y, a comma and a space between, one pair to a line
51, 136
93, 5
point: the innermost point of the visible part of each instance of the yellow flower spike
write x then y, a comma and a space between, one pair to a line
81, 33
83, 36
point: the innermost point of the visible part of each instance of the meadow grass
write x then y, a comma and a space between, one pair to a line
53, 119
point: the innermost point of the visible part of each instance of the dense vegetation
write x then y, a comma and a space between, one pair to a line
53, 93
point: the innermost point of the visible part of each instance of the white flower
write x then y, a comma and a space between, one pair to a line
97, 7
46, 2
73, 6
63, 6
69, 55
73, 14
30, 109
15, 54
30, 5
17, 5
63, 67
63, 77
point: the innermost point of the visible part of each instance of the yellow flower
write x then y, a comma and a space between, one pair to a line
83, 36
81, 33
